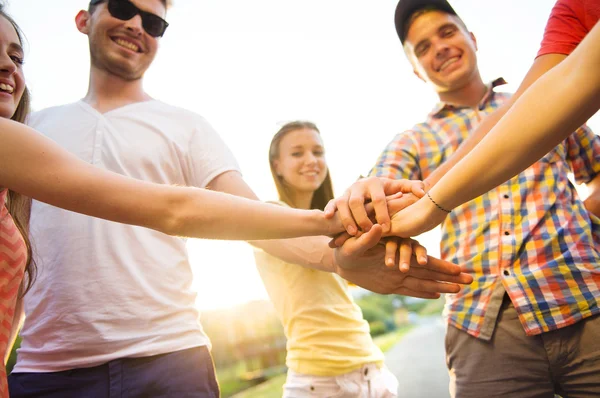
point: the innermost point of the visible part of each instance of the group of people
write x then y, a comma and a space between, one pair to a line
118, 176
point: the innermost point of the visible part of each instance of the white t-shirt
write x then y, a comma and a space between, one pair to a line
105, 290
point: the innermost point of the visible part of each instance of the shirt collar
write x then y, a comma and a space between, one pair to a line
442, 106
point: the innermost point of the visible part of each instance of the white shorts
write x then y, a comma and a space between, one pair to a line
367, 382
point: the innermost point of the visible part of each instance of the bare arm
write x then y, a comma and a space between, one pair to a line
35, 166
367, 266
551, 109
311, 252
546, 114
540, 66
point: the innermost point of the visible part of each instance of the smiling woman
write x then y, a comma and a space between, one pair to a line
316, 307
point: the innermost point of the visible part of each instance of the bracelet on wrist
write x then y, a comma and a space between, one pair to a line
435, 203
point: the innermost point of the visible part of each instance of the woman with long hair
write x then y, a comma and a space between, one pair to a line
329, 349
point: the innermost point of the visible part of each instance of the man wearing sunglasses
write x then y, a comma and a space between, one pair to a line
112, 312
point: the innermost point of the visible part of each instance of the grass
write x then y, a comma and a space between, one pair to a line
273, 387
230, 381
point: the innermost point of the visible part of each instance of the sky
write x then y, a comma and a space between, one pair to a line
250, 66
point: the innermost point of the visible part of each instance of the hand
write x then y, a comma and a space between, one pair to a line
361, 261
394, 204
418, 218
351, 205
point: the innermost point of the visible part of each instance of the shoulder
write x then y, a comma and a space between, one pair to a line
181, 116
54, 112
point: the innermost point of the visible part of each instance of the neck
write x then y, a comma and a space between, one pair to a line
469, 95
107, 91
302, 200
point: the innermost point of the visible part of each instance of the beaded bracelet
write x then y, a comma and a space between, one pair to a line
435, 203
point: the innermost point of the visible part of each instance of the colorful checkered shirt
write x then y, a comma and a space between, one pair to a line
531, 237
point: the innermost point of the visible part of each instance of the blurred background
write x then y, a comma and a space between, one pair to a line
249, 67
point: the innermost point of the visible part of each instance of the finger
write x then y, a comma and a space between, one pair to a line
330, 209
392, 186
395, 205
346, 214
379, 201
356, 246
356, 202
405, 254
430, 286
420, 252
391, 246
370, 209
423, 273
339, 240
438, 265
417, 188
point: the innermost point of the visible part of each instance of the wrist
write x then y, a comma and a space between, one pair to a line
439, 206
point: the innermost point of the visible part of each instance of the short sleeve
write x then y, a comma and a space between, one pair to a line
399, 159
208, 155
583, 154
565, 28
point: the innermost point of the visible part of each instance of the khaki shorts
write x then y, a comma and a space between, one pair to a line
564, 361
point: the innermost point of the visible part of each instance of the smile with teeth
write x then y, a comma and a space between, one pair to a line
128, 45
7, 88
310, 173
448, 62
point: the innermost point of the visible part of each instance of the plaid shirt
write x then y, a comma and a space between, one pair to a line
531, 237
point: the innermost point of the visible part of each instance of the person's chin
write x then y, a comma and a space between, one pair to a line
6, 112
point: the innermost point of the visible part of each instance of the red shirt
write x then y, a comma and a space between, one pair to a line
570, 21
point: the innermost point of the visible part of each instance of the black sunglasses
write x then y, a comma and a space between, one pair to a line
124, 10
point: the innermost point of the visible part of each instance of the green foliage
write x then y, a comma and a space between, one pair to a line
379, 311
377, 328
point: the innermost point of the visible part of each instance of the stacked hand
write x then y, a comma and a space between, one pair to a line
365, 256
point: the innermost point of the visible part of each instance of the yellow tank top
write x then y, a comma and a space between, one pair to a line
325, 330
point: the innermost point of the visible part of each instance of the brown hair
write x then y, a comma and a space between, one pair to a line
323, 194
19, 206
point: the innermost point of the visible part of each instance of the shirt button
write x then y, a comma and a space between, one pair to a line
506, 272
506, 233
505, 196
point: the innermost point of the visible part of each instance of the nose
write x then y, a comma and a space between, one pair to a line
134, 25
7, 65
310, 158
441, 48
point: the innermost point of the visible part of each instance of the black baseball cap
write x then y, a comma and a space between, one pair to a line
406, 8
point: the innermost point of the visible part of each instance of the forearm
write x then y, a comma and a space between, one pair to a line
48, 173
467, 146
309, 252
547, 113
541, 65
207, 214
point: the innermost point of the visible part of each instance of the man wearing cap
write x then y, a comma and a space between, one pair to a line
528, 325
